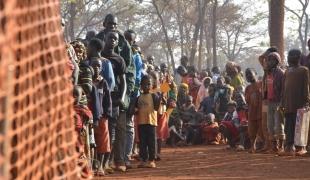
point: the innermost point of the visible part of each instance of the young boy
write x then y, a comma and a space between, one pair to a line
253, 98
117, 122
147, 105
101, 106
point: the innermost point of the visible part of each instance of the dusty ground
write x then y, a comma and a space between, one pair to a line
213, 162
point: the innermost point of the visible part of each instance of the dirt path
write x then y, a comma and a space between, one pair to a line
213, 162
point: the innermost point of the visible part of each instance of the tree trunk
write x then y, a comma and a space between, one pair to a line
276, 25
181, 27
200, 55
214, 28
165, 33
201, 7
72, 12
208, 48
304, 45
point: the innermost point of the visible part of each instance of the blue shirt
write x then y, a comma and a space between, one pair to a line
139, 66
108, 74
208, 105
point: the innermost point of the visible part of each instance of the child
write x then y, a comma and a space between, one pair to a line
82, 117
230, 124
101, 106
147, 105
189, 117
210, 130
253, 97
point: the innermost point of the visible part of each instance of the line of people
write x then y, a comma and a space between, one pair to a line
127, 107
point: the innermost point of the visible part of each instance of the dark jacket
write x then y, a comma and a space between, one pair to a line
278, 75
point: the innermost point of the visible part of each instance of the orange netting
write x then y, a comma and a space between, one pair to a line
37, 137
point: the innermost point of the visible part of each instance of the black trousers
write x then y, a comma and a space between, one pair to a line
289, 128
147, 137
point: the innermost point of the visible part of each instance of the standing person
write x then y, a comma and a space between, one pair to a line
117, 123
263, 62
274, 83
123, 49
101, 107
253, 98
147, 105
295, 96
130, 36
89, 36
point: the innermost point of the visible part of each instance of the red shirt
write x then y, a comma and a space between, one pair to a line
270, 90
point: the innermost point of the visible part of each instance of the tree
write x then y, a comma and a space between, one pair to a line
159, 14
303, 23
214, 28
276, 25
201, 8
234, 30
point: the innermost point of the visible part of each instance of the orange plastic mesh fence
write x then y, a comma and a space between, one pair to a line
37, 138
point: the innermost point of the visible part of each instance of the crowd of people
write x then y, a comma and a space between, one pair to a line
127, 107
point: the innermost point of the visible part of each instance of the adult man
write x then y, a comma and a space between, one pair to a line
295, 96
117, 123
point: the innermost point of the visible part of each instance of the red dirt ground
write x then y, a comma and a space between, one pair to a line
213, 162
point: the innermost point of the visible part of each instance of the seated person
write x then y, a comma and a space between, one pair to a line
230, 124
191, 121
175, 132
188, 110
210, 130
